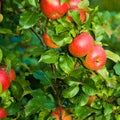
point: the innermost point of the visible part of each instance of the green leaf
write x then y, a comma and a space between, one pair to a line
83, 112
16, 90
117, 68
32, 106
49, 56
44, 77
112, 56
66, 63
89, 90
14, 108
28, 19
75, 16
5, 31
108, 108
71, 91
33, 2
62, 39
38, 103
1, 55
83, 99
83, 4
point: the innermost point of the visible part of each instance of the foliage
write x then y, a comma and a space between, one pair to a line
47, 77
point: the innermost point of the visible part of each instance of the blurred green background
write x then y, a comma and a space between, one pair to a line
109, 5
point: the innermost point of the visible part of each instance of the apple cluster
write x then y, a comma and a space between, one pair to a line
5, 80
83, 44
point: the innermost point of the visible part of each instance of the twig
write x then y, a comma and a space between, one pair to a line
39, 37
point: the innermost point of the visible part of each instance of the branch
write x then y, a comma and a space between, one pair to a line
38, 36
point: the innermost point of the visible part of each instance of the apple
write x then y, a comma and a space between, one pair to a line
96, 58
60, 111
4, 80
91, 99
12, 73
48, 41
81, 12
3, 113
81, 45
53, 9
74, 3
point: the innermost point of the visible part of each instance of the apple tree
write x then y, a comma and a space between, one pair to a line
59, 59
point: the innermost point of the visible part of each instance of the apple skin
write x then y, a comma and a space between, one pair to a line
3, 113
48, 41
91, 99
53, 9
56, 114
96, 58
4, 80
81, 45
12, 73
74, 3
82, 15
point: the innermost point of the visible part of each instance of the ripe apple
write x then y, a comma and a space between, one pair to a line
3, 113
81, 45
53, 9
91, 99
60, 111
4, 80
81, 12
96, 58
74, 3
12, 73
48, 41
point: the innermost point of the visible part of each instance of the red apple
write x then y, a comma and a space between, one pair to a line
74, 3
96, 58
81, 45
60, 111
12, 73
48, 41
81, 12
3, 113
4, 80
53, 8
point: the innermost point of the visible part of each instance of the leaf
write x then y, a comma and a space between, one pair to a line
62, 39
33, 2
44, 77
112, 56
38, 103
66, 63
50, 56
14, 108
104, 73
75, 16
26, 19
83, 111
1, 55
83, 99
71, 91
83, 4
89, 90
5, 31
108, 108
117, 68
